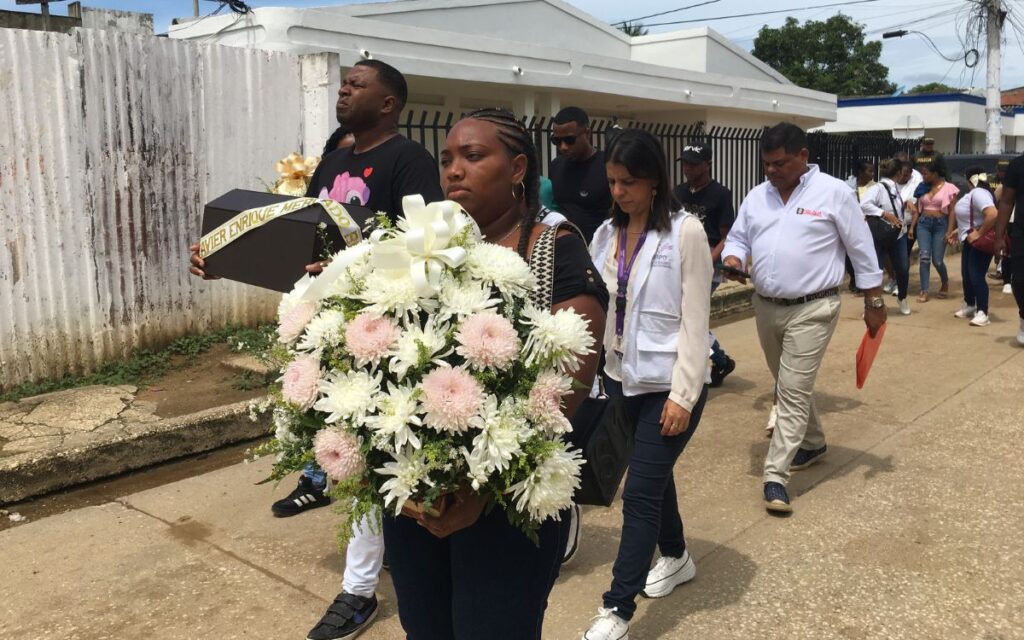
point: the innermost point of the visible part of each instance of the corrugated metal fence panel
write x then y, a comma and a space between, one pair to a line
109, 145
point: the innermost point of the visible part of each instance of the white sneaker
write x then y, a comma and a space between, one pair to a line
966, 311
904, 307
1020, 334
573, 544
1007, 288
667, 574
773, 418
980, 320
607, 626
890, 287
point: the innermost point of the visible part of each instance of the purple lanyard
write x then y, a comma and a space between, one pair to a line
623, 279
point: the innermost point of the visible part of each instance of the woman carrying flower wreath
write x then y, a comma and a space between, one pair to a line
656, 358
469, 574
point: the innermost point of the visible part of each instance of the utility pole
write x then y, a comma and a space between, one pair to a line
993, 106
195, 8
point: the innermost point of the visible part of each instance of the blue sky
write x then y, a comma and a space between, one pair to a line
909, 59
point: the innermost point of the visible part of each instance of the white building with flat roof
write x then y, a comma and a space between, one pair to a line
534, 56
955, 120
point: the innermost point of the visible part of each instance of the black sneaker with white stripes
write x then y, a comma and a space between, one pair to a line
306, 496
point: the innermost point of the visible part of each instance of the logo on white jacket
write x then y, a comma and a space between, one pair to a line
663, 255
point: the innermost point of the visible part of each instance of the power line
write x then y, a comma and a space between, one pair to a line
665, 13
760, 13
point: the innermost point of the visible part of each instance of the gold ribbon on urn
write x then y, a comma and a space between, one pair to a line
294, 173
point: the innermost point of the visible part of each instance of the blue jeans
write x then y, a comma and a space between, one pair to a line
487, 581
899, 256
973, 267
650, 512
931, 235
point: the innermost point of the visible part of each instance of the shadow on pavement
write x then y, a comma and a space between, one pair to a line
723, 576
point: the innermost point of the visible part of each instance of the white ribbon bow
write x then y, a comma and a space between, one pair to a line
422, 244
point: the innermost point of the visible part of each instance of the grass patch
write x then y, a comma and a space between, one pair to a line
145, 365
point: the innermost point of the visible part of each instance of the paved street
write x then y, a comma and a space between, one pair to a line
911, 527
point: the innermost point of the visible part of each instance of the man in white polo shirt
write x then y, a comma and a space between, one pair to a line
798, 228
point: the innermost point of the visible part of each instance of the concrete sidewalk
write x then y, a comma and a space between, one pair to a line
910, 528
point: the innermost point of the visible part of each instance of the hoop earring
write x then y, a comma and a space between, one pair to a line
514, 196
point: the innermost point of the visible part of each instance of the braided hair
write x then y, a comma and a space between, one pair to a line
517, 140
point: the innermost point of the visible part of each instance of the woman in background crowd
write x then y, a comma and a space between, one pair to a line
883, 207
975, 215
934, 223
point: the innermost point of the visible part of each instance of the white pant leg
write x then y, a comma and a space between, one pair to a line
363, 561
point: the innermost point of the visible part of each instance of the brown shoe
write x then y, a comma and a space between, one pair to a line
923, 297
943, 291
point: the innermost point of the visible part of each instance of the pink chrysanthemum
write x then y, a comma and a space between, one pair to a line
337, 453
487, 341
294, 322
451, 398
300, 381
369, 337
545, 402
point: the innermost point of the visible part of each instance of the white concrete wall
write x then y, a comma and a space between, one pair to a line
110, 143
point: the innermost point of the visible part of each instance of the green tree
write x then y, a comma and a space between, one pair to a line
633, 29
828, 55
931, 87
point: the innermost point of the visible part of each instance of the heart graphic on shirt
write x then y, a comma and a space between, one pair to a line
367, 172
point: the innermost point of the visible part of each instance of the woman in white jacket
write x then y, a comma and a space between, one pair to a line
656, 350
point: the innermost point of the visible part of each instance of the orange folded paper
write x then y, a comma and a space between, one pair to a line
866, 353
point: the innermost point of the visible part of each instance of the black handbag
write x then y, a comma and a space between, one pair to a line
599, 426
884, 233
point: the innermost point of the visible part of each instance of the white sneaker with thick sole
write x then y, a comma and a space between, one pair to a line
1007, 288
980, 320
890, 287
1020, 334
773, 418
667, 574
573, 544
904, 307
607, 626
966, 311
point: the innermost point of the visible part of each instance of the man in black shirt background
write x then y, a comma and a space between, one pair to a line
578, 177
1011, 202
711, 203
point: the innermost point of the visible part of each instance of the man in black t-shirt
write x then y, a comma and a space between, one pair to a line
1010, 203
711, 203
578, 177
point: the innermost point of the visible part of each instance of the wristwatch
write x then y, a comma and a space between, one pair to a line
874, 303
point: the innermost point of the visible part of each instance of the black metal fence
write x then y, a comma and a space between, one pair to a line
736, 158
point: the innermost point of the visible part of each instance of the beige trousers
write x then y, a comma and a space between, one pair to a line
794, 340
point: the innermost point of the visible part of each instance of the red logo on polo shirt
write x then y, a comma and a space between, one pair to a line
810, 212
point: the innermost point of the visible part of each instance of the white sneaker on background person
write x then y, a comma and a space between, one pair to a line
1020, 334
1007, 288
966, 311
904, 307
607, 626
667, 574
890, 287
980, 320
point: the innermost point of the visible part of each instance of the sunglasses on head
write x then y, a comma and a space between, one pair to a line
559, 141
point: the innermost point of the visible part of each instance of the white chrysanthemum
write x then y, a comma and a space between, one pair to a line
290, 299
351, 280
408, 470
502, 267
389, 293
502, 431
348, 396
326, 329
461, 299
550, 487
283, 423
557, 339
432, 338
396, 418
